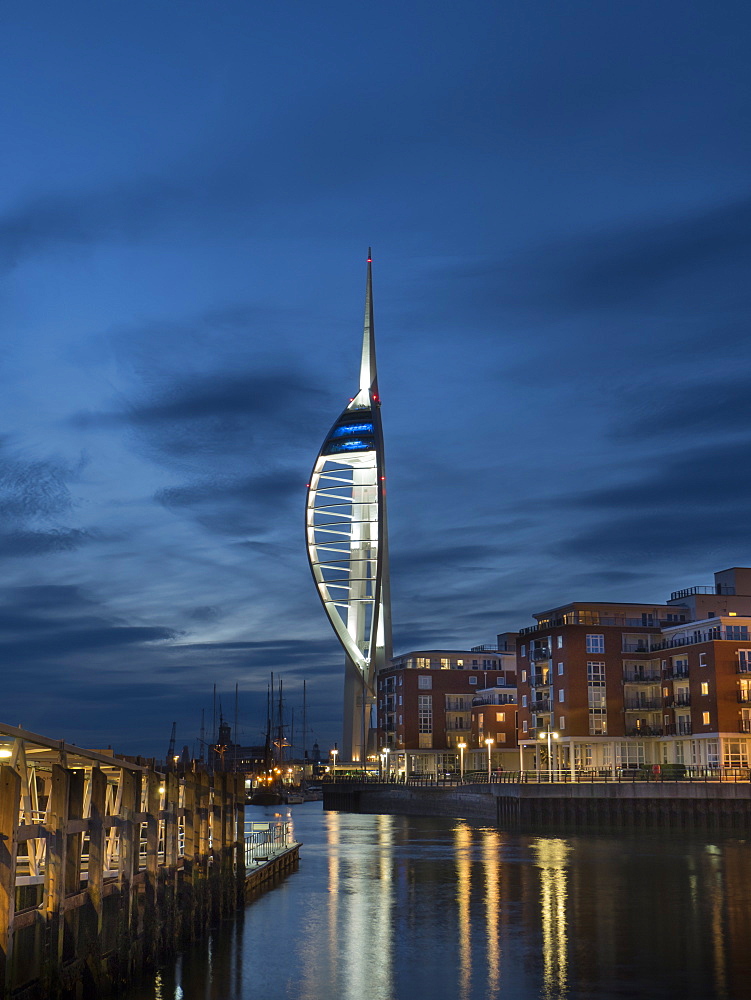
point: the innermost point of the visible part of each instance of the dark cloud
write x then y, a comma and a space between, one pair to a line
36, 543
713, 478
623, 266
700, 408
207, 613
218, 415
33, 489
34, 495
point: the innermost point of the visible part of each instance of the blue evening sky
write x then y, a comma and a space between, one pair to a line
558, 200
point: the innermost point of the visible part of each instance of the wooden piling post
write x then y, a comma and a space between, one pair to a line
10, 797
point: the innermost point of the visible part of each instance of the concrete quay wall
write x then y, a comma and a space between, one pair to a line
638, 805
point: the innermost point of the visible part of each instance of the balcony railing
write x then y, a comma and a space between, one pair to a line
541, 705
731, 633
678, 729
484, 649
539, 680
648, 677
681, 699
720, 588
540, 654
646, 731
636, 647
744, 696
643, 704
677, 671
590, 618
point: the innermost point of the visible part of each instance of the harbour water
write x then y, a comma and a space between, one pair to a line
404, 908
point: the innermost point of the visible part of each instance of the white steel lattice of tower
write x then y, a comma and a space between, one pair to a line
347, 542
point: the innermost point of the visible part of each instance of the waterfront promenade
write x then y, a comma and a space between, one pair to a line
710, 799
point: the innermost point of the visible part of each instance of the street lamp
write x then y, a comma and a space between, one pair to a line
489, 743
334, 752
462, 748
386, 752
550, 736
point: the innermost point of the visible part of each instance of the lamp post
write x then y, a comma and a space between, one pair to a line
386, 752
462, 748
334, 752
550, 736
489, 743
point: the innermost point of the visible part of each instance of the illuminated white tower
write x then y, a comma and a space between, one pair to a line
348, 544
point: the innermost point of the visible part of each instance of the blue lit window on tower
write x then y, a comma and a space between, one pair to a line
347, 429
354, 444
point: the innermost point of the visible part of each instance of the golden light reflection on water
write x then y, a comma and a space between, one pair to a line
714, 860
492, 870
463, 848
551, 856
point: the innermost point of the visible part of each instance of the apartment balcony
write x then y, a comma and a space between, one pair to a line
744, 725
678, 729
540, 680
680, 700
744, 697
459, 704
676, 672
636, 647
642, 705
541, 705
388, 727
650, 677
646, 731
541, 654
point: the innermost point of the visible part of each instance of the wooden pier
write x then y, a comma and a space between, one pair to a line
108, 865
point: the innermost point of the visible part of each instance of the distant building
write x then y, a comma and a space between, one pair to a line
494, 716
425, 698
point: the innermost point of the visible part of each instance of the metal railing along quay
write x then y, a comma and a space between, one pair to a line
266, 840
666, 773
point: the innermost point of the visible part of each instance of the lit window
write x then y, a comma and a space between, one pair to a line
595, 643
705, 687
460, 664
500, 737
561, 696
500, 716
524, 675
705, 718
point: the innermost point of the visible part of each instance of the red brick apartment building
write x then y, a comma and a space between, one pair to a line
425, 698
630, 684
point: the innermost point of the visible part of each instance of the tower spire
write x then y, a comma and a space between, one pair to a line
368, 374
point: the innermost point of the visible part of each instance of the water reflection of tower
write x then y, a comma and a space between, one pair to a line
347, 541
